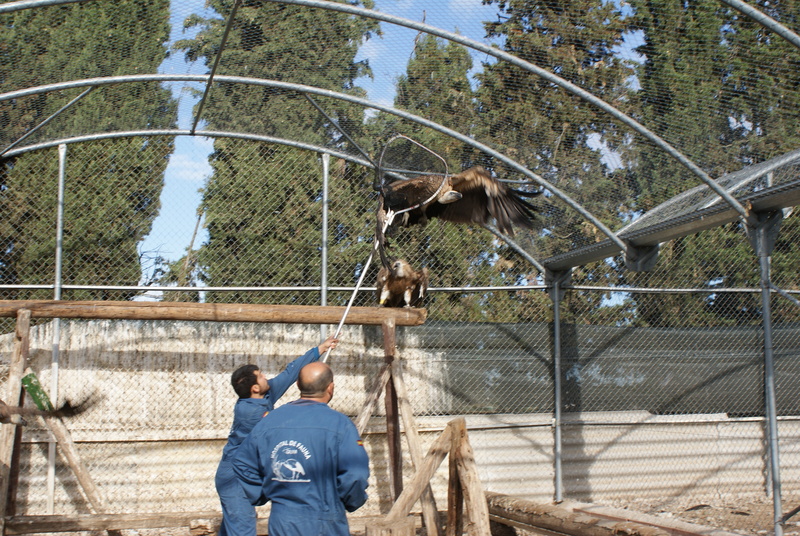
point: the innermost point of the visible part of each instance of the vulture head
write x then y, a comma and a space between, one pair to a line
400, 285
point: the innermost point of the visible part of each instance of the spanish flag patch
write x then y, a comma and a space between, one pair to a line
360, 442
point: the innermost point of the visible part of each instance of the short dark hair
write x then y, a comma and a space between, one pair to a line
243, 379
317, 384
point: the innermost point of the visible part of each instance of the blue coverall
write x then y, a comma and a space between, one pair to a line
310, 462
238, 515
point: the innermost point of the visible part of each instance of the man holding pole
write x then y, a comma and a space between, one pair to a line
257, 397
308, 460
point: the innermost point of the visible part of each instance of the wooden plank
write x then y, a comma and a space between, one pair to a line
215, 312
402, 527
67, 448
555, 518
474, 499
429, 512
455, 497
372, 398
19, 361
95, 522
392, 414
423, 475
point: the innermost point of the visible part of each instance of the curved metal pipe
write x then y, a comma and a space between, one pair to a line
764, 20
177, 132
333, 95
750, 12
542, 73
28, 4
217, 58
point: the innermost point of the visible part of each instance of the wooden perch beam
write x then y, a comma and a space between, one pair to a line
215, 312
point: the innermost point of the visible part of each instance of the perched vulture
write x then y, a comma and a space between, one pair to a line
399, 285
472, 196
13, 414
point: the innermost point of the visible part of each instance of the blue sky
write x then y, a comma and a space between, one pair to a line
388, 55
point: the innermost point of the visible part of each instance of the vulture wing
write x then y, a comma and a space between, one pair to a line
485, 198
403, 194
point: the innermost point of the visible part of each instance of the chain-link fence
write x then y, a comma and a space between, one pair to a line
234, 152
654, 418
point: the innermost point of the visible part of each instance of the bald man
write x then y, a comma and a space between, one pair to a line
308, 460
257, 397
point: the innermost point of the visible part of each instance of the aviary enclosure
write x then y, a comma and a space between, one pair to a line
638, 347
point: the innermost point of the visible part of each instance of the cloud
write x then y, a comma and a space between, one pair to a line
190, 163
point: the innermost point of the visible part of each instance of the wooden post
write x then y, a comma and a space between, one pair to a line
423, 475
392, 414
65, 443
455, 497
401, 527
429, 512
372, 398
67, 447
19, 360
476, 505
215, 312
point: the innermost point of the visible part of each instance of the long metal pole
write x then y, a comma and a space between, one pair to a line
769, 375
326, 160
557, 403
56, 343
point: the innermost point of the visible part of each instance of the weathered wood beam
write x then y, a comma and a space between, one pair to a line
95, 522
390, 404
475, 502
429, 512
19, 361
214, 312
373, 395
555, 518
413, 491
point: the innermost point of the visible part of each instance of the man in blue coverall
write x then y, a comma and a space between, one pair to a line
308, 459
257, 397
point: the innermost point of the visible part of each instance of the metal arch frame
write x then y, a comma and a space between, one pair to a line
742, 7
752, 13
764, 20
542, 73
251, 137
28, 4
111, 80
188, 132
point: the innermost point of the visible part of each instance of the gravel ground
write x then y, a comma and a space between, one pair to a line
753, 518
749, 518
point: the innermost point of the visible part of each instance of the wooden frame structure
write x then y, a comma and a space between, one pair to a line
25, 310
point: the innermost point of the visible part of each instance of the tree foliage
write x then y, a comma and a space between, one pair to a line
273, 238
700, 95
112, 188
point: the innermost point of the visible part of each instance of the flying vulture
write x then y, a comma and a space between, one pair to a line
13, 414
400, 285
472, 196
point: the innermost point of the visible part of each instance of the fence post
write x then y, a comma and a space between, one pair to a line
392, 413
14, 395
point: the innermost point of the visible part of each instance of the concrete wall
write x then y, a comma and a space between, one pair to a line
153, 442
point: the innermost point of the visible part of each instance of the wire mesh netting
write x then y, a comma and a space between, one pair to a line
237, 152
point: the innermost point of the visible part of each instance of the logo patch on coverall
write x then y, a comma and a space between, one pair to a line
287, 461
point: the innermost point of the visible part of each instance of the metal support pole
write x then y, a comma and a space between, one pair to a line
326, 160
56, 343
557, 441
762, 238
769, 379
555, 281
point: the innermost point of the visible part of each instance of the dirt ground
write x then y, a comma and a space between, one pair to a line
744, 517
749, 518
